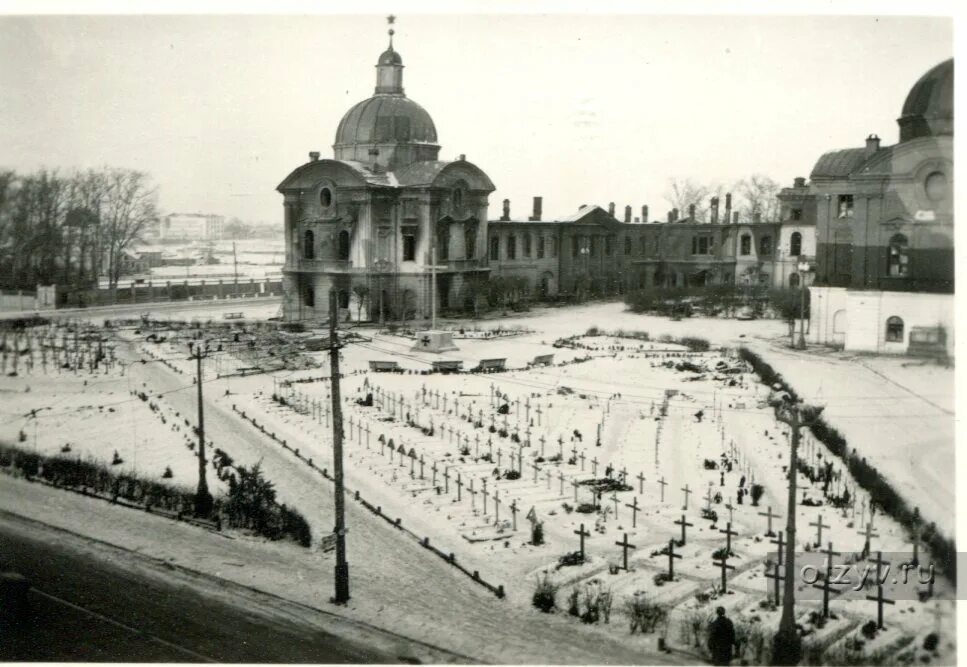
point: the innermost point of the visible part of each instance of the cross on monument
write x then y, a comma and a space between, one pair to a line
641, 483
878, 598
684, 524
687, 492
819, 529
634, 512
769, 517
625, 545
728, 532
671, 559
581, 533
723, 563
663, 484
826, 586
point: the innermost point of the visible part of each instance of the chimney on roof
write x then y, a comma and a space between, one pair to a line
671, 216
313, 156
714, 210
536, 217
799, 182
644, 213
611, 209
757, 217
727, 215
674, 215
462, 158
691, 212
735, 218
506, 213
872, 144
627, 214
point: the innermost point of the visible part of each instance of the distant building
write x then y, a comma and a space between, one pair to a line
192, 227
885, 217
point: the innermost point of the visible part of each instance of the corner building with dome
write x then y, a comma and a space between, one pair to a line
885, 233
368, 222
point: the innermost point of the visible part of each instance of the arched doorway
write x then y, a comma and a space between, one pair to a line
548, 288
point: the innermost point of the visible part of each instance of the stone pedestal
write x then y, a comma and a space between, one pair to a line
433, 341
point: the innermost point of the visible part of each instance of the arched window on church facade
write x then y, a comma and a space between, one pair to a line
894, 330
308, 245
899, 257
795, 244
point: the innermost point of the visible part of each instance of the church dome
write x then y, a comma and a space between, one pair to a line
929, 107
386, 119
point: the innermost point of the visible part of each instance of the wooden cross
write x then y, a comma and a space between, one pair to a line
485, 495
359, 430
730, 508
367, 436
421, 466
513, 511
708, 499
433, 470
560, 476
594, 466
543, 440
575, 484
916, 543
497, 505
687, 492
581, 533
826, 585
560, 447
776, 576
444, 402
473, 495
527, 408
550, 476
500, 455
819, 529
723, 563
780, 543
459, 486
867, 534
728, 532
446, 480
634, 512
671, 559
581, 458
412, 456
539, 413
625, 545
614, 499
520, 460
536, 468
769, 517
878, 598
641, 483
350, 430
574, 451
663, 484
624, 474
684, 524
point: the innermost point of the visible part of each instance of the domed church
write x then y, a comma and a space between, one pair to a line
371, 222
885, 232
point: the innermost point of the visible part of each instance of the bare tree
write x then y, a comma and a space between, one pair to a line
684, 192
758, 196
129, 205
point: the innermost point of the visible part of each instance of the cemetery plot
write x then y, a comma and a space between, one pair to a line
651, 478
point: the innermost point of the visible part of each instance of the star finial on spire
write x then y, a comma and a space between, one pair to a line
391, 20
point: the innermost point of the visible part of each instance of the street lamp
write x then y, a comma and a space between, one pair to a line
585, 252
203, 498
805, 272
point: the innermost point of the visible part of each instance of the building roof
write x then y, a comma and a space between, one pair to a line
839, 164
386, 119
929, 107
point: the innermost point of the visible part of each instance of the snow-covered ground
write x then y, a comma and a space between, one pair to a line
609, 407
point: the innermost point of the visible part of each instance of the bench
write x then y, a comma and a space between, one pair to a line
233, 316
447, 366
490, 365
384, 366
543, 360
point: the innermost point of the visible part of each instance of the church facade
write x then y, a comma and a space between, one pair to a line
884, 217
371, 222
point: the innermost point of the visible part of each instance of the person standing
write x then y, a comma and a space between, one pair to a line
721, 638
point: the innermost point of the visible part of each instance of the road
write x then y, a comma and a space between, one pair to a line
86, 608
266, 306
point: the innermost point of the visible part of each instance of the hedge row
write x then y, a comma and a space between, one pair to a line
881, 492
250, 503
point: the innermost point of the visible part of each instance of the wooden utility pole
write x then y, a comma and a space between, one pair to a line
235, 263
203, 498
787, 645
342, 567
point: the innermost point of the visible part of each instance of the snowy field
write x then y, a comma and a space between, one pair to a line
619, 442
